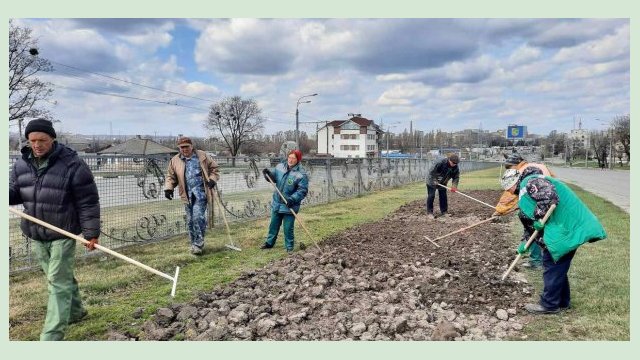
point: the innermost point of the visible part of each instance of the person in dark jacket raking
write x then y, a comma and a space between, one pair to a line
56, 186
440, 173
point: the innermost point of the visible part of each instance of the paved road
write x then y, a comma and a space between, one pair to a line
613, 185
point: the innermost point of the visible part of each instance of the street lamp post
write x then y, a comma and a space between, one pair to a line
611, 148
297, 115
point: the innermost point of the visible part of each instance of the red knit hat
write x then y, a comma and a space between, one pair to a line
297, 153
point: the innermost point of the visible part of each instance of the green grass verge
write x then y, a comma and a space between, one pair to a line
113, 290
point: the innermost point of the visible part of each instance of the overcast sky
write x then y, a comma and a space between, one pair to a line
448, 74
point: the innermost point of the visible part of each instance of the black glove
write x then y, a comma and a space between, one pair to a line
267, 175
289, 202
211, 183
168, 194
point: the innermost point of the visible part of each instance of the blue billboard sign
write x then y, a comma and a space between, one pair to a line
516, 132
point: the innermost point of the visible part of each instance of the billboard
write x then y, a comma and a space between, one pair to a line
515, 132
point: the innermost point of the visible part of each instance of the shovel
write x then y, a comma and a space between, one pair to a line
174, 279
474, 199
295, 215
531, 239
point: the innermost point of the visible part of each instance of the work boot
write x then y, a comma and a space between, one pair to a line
265, 247
539, 309
196, 250
289, 251
79, 318
446, 214
531, 266
430, 216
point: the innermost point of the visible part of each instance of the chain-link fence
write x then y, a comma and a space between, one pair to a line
134, 210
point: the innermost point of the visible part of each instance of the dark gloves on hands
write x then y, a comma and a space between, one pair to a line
168, 194
267, 175
91, 245
289, 202
211, 183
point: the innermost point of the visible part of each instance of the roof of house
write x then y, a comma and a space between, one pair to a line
356, 119
138, 146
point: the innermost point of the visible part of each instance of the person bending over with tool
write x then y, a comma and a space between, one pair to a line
56, 186
569, 226
191, 170
509, 202
440, 173
292, 182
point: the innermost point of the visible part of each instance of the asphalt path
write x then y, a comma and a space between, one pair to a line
613, 185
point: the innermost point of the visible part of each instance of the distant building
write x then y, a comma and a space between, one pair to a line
352, 138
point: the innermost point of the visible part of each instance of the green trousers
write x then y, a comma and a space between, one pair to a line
57, 259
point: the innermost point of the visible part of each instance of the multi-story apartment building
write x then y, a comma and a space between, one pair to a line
352, 138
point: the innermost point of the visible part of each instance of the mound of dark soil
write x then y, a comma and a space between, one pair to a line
377, 281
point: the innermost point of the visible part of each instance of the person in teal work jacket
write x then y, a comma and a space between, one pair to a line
292, 181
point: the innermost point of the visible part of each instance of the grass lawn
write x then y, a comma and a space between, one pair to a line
113, 290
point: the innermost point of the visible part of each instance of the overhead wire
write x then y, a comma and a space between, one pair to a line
128, 97
130, 82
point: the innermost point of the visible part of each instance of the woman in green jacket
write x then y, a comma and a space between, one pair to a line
569, 226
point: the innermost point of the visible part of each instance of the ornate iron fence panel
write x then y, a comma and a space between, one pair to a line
134, 209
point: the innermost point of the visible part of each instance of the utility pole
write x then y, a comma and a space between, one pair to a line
20, 133
586, 153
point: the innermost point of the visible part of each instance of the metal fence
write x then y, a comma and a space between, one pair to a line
134, 209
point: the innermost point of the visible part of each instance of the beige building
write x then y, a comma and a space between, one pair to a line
357, 137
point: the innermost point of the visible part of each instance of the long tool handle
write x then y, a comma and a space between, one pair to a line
531, 239
224, 217
474, 199
98, 246
295, 215
465, 228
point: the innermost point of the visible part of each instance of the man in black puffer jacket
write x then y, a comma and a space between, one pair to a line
440, 173
57, 187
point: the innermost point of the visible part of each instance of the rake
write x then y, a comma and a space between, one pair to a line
474, 199
174, 279
295, 215
531, 239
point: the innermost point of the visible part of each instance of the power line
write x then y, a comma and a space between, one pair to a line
129, 97
130, 82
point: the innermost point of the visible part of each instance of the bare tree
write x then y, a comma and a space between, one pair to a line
236, 120
622, 134
26, 90
599, 141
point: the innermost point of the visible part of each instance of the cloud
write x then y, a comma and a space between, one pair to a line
607, 48
404, 94
245, 46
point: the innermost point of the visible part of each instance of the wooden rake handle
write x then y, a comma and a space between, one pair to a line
531, 239
98, 246
295, 215
474, 199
